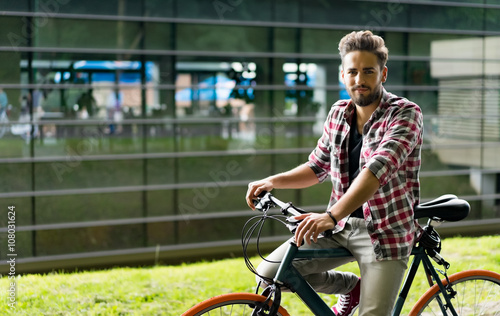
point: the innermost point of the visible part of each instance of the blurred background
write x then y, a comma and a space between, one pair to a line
131, 128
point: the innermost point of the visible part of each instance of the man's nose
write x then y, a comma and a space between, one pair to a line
360, 79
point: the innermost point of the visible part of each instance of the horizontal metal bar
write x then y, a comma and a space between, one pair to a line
482, 197
257, 87
254, 23
164, 252
233, 54
172, 87
176, 218
131, 221
75, 156
134, 251
45, 14
470, 144
219, 120
438, 3
193, 185
459, 116
173, 186
165, 52
229, 54
122, 189
163, 155
475, 222
149, 219
443, 173
177, 121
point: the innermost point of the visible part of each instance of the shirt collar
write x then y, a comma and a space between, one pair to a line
383, 103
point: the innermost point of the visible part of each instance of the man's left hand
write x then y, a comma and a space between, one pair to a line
311, 226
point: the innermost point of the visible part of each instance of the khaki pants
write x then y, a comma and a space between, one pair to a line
380, 279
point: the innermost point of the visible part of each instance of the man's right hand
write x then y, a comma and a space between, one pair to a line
255, 188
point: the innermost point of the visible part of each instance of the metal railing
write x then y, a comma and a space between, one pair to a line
177, 252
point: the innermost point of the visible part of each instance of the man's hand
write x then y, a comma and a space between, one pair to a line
311, 226
255, 188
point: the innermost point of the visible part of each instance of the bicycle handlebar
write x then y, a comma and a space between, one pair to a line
266, 200
442, 208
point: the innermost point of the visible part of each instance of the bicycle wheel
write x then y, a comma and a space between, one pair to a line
478, 293
234, 304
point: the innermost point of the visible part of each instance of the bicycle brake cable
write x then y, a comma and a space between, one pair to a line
247, 233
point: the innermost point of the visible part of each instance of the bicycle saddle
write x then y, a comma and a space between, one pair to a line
445, 208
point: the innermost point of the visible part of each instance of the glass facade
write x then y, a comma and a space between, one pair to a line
138, 124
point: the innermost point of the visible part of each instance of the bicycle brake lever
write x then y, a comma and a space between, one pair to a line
292, 228
292, 224
257, 202
257, 205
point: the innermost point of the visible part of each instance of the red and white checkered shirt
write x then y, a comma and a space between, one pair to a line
391, 150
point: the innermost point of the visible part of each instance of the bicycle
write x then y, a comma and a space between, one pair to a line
22, 128
470, 292
4, 120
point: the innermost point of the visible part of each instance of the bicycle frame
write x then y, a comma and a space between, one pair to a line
287, 275
420, 256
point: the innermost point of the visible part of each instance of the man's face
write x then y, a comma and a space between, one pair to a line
363, 77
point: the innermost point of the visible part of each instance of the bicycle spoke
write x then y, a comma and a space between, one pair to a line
489, 295
475, 297
460, 303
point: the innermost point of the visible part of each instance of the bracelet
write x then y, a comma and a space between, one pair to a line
331, 216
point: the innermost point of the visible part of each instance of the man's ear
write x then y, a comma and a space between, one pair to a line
384, 74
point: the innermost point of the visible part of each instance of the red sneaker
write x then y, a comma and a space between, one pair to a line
348, 303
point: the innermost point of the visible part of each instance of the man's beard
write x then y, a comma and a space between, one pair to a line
362, 100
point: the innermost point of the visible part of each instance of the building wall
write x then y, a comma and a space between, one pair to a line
136, 125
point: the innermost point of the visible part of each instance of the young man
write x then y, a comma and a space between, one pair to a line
370, 148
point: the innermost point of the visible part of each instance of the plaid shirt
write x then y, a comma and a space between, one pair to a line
391, 150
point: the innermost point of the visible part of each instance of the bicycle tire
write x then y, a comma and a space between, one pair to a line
235, 303
478, 293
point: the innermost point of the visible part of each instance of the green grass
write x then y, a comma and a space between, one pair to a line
170, 290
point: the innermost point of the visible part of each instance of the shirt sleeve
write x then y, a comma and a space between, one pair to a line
319, 159
404, 133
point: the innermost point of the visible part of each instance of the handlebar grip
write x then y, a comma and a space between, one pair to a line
262, 194
257, 201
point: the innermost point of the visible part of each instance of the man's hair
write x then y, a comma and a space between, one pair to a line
364, 41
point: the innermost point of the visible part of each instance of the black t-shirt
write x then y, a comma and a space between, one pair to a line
355, 144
